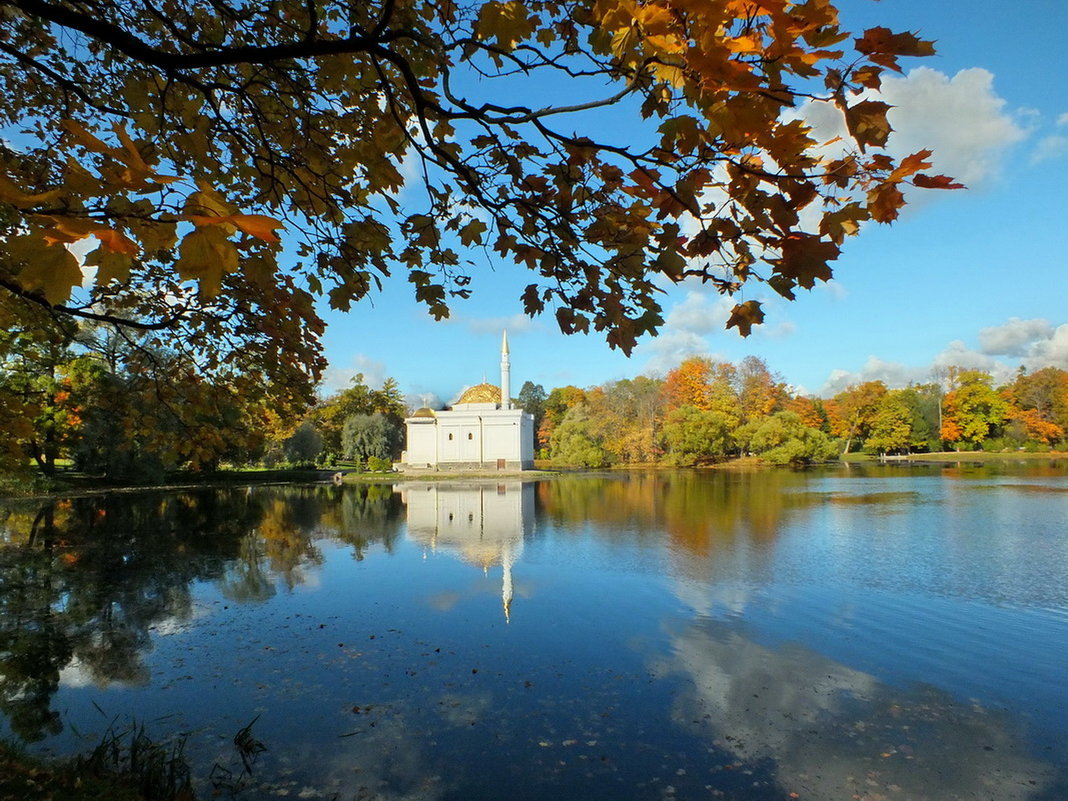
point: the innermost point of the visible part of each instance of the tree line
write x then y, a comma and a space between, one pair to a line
86, 396
105, 403
706, 411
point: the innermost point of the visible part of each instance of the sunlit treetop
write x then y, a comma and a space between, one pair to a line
231, 162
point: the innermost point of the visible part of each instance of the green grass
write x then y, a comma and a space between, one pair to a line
985, 456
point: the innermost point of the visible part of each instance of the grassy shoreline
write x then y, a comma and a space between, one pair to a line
73, 485
950, 457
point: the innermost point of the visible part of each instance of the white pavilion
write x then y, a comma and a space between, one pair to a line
481, 431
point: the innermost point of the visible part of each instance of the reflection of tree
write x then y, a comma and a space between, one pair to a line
34, 644
286, 530
701, 511
362, 516
246, 579
834, 732
86, 581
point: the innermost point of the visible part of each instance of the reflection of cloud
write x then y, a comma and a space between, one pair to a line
465, 709
76, 675
383, 756
835, 732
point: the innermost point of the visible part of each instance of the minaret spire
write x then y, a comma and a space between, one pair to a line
506, 389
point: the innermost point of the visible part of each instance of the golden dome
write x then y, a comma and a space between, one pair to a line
424, 412
481, 393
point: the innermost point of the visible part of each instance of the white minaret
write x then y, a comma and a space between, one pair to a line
506, 389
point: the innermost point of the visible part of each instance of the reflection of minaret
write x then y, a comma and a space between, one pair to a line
506, 389
506, 582
482, 524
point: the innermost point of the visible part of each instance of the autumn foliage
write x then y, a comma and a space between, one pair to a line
226, 166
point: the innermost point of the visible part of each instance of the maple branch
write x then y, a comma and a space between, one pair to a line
128, 44
74, 311
517, 115
66, 83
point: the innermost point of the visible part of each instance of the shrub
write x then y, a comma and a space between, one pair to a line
378, 465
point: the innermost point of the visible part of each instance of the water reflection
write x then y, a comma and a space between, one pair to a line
482, 524
701, 512
87, 579
744, 635
835, 732
86, 583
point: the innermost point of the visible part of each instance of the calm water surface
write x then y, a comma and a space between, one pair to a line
877, 633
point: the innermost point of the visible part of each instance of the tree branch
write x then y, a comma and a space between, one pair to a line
135, 48
74, 311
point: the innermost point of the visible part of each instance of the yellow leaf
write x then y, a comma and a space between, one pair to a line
154, 235
9, 193
84, 138
79, 181
259, 271
258, 225
206, 255
207, 202
507, 23
51, 270
116, 241
132, 155
867, 123
66, 230
654, 19
471, 234
744, 316
111, 265
837, 224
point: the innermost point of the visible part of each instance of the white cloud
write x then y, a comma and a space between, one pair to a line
958, 354
417, 400
834, 288
685, 328
1048, 148
1063, 119
80, 250
1033, 344
515, 324
1014, 337
1049, 352
669, 349
700, 313
962, 119
779, 330
337, 378
893, 374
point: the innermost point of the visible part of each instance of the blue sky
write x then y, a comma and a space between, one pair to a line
974, 278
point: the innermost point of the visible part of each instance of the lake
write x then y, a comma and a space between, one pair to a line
874, 632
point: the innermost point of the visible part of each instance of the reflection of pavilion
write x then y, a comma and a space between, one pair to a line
482, 524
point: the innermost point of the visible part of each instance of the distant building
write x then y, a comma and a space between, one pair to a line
482, 431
